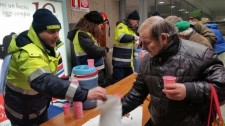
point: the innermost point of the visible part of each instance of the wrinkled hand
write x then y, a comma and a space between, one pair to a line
97, 93
176, 91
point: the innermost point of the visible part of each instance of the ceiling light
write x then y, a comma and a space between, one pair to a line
173, 6
181, 10
161, 2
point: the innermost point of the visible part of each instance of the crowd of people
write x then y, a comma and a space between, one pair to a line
183, 49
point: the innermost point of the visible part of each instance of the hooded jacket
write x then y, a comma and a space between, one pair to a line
206, 32
194, 65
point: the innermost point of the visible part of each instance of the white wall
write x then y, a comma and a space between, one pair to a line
16, 16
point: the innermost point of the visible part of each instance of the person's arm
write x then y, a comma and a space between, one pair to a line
88, 45
206, 32
121, 35
135, 96
213, 72
51, 85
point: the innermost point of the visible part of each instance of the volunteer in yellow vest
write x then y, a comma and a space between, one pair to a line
85, 44
31, 80
123, 49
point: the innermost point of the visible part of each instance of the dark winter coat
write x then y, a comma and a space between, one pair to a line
195, 66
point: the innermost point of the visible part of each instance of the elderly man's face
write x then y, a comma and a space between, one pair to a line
150, 44
50, 37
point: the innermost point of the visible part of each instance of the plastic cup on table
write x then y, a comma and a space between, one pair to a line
90, 62
169, 79
78, 110
66, 109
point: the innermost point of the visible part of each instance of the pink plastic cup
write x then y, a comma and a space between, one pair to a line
66, 108
169, 79
78, 110
90, 62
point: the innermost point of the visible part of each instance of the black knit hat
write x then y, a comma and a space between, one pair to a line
134, 15
94, 16
43, 19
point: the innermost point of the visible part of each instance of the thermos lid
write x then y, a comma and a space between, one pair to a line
138, 50
83, 70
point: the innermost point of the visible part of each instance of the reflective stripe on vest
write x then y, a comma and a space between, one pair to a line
20, 116
121, 60
81, 54
37, 73
71, 91
123, 47
100, 67
20, 90
120, 37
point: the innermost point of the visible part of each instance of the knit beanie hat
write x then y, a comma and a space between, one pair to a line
196, 14
134, 15
43, 19
94, 17
156, 13
182, 25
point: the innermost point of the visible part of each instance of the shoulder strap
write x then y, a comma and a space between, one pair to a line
73, 55
214, 108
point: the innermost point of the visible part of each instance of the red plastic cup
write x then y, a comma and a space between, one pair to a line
78, 110
169, 79
66, 108
90, 62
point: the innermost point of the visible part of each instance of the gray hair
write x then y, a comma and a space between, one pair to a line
157, 25
173, 19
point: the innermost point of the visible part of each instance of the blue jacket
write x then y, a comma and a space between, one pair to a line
219, 47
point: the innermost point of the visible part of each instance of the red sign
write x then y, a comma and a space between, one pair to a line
80, 5
3, 119
75, 3
84, 3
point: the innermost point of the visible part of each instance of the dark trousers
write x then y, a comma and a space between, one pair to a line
28, 122
121, 72
26, 105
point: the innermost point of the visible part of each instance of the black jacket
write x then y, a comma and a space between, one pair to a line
194, 65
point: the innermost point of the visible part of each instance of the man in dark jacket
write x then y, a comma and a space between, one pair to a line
186, 102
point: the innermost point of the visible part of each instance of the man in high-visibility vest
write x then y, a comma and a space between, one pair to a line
125, 35
31, 80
